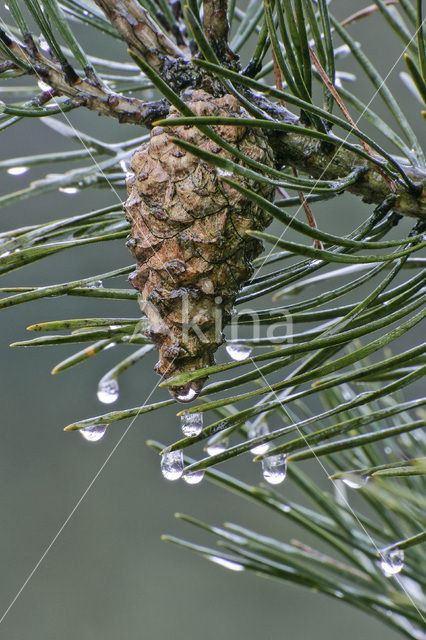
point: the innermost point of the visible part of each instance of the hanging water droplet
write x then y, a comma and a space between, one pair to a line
194, 478
224, 173
43, 86
354, 480
17, 171
238, 351
191, 424
274, 468
227, 564
43, 43
256, 430
96, 284
215, 448
93, 432
172, 465
391, 561
71, 191
108, 390
184, 394
110, 345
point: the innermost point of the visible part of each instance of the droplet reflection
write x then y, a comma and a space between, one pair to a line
172, 465
93, 432
238, 351
108, 390
274, 468
391, 561
191, 424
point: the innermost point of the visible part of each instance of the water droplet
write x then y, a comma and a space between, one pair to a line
224, 173
108, 390
93, 432
354, 480
172, 465
194, 478
123, 166
110, 345
238, 351
191, 424
215, 448
339, 594
391, 561
5, 254
43, 43
274, 468
185, 393
228, 564
256, 430
17, 171
71, 191
43, 86
96, 284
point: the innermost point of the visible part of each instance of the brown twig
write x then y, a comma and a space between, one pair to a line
141, 34
278, 76
88, 93
317, 244
294, 149
364, 13
330, 86
216, 28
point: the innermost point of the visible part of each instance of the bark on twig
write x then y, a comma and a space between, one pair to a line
216, 28
307, 155
88, 93
143, 36
140, 32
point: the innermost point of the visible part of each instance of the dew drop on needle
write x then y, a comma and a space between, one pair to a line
93, 432
108, 390
191, 424
194, 478
274, 468
238, 351
391, 561
172, 465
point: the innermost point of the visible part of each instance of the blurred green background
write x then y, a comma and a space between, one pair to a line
108, 575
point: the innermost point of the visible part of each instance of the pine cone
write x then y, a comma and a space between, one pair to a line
188, 237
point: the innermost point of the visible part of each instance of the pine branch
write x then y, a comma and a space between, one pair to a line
84, 91
141, 34
144, 38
